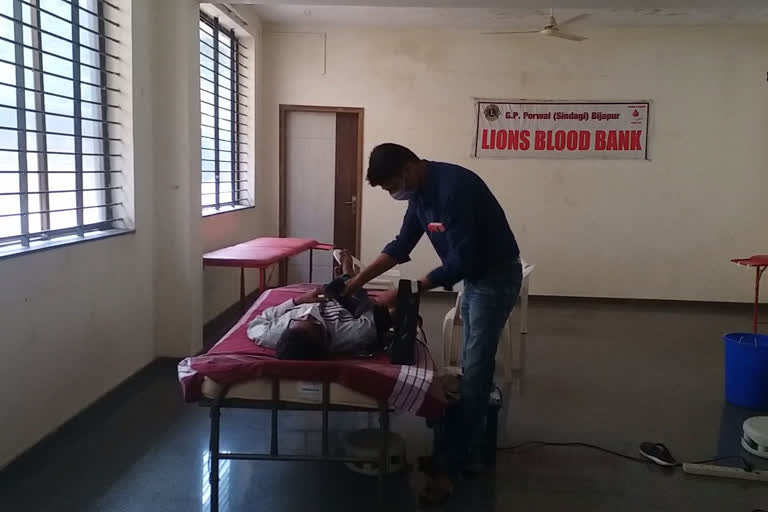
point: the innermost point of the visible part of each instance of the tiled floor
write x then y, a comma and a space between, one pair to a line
614, 375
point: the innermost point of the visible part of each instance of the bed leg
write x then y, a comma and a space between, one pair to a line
275, 404
214, 453
384, 452
326, 402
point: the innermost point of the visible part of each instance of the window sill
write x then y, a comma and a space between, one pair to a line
14, 251
212, 212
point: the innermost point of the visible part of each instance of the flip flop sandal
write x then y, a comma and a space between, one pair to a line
356, 263
659, 454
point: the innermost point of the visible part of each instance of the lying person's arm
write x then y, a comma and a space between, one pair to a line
266, 328
274, 312
311, 296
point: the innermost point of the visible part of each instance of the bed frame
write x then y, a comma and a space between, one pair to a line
405, 323
275, 404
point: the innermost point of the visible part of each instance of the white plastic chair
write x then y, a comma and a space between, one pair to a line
509, 352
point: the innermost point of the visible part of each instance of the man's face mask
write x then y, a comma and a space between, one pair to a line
403, 193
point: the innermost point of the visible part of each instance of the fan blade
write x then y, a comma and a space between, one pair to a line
574, 19
566, 35
501, 33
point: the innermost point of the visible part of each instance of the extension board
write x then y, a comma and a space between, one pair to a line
725, 471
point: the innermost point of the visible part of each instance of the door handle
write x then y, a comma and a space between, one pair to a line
351, 202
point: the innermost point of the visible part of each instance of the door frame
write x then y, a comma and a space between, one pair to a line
358, 111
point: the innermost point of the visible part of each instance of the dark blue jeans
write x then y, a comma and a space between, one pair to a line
485, 306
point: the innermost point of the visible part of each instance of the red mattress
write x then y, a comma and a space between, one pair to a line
298, 244
260, 252
236, 358
759, 260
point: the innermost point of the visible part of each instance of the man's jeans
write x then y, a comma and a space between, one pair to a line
485, 306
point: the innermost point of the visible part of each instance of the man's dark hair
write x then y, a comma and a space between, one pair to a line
387, 161
300, 345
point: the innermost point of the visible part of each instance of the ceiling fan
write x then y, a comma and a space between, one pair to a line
553, 28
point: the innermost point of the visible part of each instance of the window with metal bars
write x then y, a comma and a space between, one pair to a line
222, 117
58, 137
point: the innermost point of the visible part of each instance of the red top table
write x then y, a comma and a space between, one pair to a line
261, 253
759, 263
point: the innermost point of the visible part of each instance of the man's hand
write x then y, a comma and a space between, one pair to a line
380, 265
315, 295
351, 286
389, 297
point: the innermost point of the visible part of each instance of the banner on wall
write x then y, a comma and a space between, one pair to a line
562, 129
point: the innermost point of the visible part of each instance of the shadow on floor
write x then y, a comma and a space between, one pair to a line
614, 375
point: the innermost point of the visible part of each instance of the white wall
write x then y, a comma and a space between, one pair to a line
176, 136
76, 321
659, 229
221, 286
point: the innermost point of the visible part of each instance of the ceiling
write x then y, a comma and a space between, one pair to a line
497, 18
511, 4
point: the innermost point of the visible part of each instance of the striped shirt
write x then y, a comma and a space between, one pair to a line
345, 332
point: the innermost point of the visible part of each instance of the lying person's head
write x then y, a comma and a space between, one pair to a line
305, 339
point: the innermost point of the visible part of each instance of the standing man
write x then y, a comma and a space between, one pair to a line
471, 235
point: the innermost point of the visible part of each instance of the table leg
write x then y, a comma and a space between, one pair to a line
758, 275
242, 288
262, 279
311, 252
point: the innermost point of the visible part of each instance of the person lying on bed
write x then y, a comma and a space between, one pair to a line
310, 327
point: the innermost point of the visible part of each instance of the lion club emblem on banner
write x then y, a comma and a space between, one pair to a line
492, 112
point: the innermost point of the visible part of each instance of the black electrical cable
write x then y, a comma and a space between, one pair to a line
534, 444
538, 444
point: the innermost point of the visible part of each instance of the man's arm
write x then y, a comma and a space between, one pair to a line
397, 251
462, 244
381, 264
460, 233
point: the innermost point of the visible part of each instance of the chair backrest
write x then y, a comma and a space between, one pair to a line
457, 308
527, 268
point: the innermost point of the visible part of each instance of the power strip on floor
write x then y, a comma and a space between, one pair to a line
724, 472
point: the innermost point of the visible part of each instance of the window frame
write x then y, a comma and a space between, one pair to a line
236, 171
29, 61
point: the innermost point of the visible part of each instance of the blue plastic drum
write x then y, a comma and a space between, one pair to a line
746, 370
